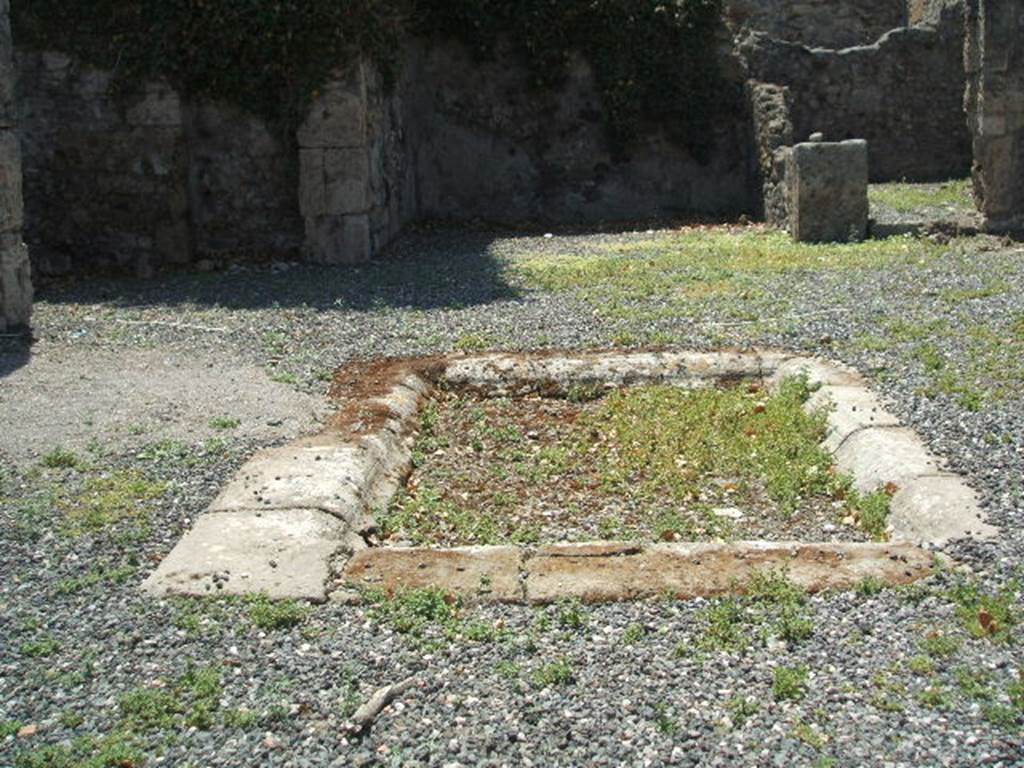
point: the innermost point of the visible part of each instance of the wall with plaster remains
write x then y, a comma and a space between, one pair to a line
15, 274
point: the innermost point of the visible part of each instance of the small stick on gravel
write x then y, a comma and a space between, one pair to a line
180, 326
366, 714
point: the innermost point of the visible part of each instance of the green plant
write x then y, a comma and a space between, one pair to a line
413, 611
633, 634
276, 614
558, 672
789, 683
106, 500
939, 645
870, 586
572, 616
115, 750
986, 613
190, 701
43, 645
60, 458
225, 422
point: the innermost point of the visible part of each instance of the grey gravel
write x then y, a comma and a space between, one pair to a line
657, 701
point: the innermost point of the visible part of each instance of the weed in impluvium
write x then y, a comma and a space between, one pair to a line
741, 709
41, 646
572, 615
633, 634
789, 683
649, 441
109, 751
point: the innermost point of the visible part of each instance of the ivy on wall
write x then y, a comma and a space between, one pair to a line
654, 60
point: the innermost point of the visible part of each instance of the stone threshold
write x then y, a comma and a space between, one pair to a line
293, 516
603, 572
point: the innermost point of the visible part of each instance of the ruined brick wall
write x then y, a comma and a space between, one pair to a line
904, 94
822, 23
995, 104
15, 273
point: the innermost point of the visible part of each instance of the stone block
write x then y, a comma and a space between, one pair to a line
935, 510
282, 553
338, 239
711, 570
346, 180
879, 456
474, 574
312, 200
850, 409
337, 117
828, 191
11, 210
158, 106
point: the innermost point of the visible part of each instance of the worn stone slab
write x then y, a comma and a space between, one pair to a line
487, 574
879, 456
300, 476
819, 373
709, 570
284, 553
850, 409
936, 510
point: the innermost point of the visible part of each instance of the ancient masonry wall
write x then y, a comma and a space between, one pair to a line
15, 277
820, 23
904, 94
995, 105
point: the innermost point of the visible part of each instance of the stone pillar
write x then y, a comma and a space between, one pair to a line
15, 277
994, 57
334, 172
828, 191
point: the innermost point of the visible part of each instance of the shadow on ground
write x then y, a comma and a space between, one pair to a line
15, 352
422, 270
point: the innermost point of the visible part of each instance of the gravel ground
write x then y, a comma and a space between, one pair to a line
888, 674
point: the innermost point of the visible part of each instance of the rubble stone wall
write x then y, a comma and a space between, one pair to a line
904, 94
820, 23
15, 272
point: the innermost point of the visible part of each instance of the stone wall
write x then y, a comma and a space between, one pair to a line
106, 182
904, 94
137, 181
487, 146
822, 23
995, 104
241, 184
15, 273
